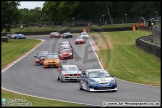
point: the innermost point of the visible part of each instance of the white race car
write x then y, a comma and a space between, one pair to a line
68, 72
84, 35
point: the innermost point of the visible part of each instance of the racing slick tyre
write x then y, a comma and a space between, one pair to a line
114, 91
72, 57
80, 86
88, 89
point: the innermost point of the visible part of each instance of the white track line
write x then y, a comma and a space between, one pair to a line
48, 98
93, 45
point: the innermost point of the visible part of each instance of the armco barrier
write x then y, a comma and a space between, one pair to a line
152, 49
4, 39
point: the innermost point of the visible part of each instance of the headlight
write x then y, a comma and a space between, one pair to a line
113, 81
36, 60
60, 54
93, 82
70, 53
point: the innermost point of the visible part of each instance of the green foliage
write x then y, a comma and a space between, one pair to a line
61, 12
65, 10
10, 14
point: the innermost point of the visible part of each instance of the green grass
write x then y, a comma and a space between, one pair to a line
37, 29
123, 59
15, 48
36, 102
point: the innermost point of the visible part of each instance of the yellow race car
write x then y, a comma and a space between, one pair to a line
51, 60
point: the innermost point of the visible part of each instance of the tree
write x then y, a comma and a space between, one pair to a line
9, 14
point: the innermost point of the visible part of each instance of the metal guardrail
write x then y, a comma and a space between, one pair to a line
149, 47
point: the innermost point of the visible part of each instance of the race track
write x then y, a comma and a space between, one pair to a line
24, 77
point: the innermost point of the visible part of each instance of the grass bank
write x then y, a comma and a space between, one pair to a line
119, 55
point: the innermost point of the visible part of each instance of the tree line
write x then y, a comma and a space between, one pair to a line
64, 11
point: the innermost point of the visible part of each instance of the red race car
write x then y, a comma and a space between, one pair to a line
39, 58
80, 40
65, 54
55, 35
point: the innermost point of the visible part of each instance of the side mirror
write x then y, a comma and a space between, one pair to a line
80, 69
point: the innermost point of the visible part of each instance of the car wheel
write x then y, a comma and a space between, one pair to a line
58, 78
72, 57
114, 91
80, 86
88, 89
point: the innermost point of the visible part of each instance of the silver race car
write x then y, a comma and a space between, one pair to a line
68, 72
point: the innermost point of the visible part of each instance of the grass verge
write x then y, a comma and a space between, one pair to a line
119, 55
36, 102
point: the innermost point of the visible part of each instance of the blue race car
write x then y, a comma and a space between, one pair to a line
97, 80
21, 36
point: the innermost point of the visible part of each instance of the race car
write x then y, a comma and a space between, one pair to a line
85, 35
67, 35
65, 46
39, 57
80, 40
55, 35
51, 60
66, 42
65, 54
68, 72
97, 80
